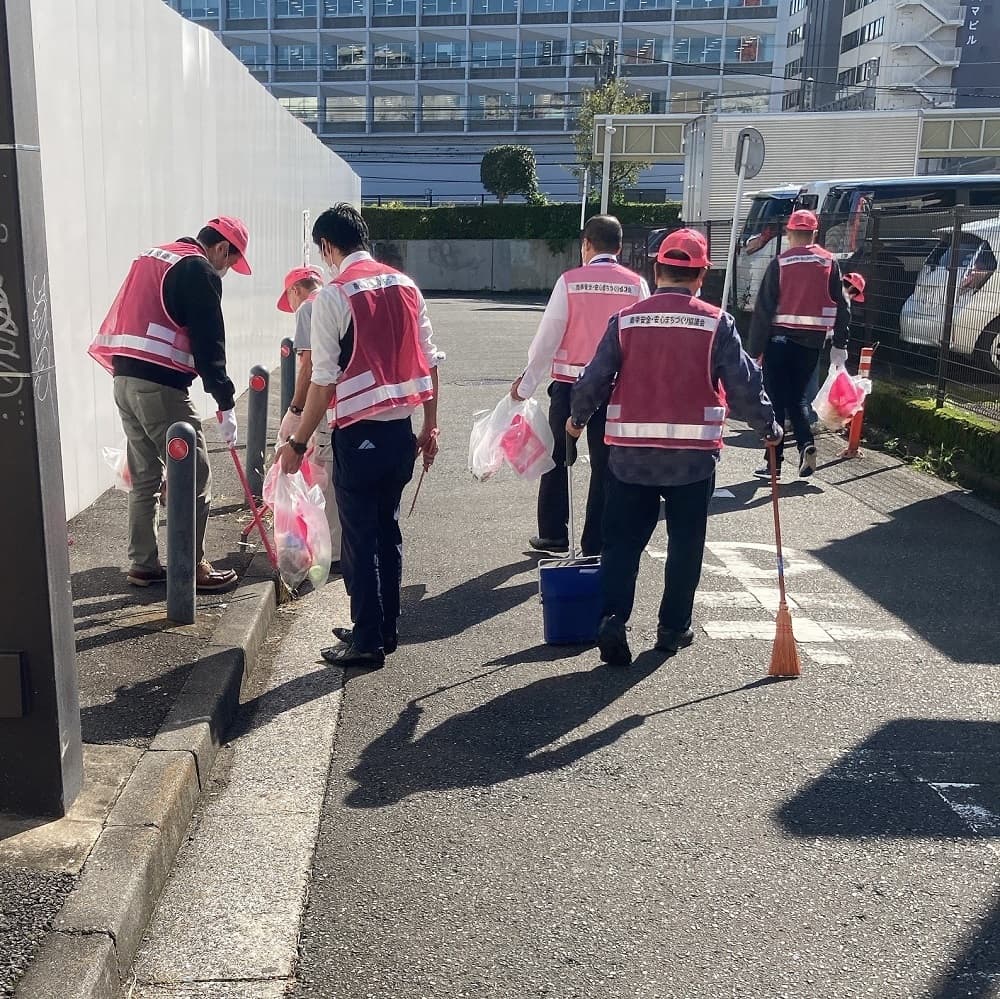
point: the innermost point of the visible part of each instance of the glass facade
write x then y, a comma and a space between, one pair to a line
199, 10
239, 10
296, 8
295, 56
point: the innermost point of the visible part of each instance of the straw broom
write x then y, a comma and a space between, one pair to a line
784, 653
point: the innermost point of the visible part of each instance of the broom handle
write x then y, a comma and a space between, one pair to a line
772, 457
253, 509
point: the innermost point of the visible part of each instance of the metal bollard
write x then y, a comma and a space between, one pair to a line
181, 449
260, 378
287, 374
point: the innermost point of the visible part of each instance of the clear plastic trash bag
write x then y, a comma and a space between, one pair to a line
517, 434
301, 531
116, 458
840, 397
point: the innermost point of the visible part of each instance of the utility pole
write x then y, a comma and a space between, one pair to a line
41, 766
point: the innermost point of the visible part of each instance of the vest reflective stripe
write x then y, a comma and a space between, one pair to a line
569, 370
122, 343
823, 323
666, 431
351, 386
382, 393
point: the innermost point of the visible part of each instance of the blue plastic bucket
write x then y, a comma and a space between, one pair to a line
571, 600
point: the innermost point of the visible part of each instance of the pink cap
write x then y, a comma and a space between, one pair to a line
684, 248
294, 276
857, 282
803, 221
233, 230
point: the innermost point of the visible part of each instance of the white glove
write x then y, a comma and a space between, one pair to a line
838, 357
227, 426
290, 424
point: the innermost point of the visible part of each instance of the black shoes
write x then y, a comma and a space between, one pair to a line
346, 634
550, 545
612, 641
668, 640
346, 654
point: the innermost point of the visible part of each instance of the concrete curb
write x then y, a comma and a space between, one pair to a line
94, 939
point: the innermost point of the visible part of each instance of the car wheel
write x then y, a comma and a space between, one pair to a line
987, 353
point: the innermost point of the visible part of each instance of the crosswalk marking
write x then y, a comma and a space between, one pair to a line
823, 655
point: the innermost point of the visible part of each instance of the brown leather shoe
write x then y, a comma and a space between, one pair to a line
209, 580
146, 577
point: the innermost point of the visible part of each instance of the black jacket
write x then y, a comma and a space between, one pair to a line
762, 328
192, 295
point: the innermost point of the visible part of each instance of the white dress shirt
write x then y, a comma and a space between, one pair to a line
552, 328
331, 319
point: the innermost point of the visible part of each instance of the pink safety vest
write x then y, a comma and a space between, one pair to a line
664, 396
138, 324
804, 301
595, 293
387, 368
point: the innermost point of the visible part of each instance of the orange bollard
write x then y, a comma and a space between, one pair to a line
853, 449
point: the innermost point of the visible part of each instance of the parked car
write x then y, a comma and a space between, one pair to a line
975, 328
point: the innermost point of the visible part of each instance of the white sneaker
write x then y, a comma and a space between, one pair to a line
807, 462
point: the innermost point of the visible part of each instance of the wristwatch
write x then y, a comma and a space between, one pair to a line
294, 410
297, 446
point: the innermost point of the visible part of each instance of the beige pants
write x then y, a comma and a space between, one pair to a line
324, 452
147, 411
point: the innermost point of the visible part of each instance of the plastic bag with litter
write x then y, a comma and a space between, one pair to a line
116, 458
517, 433
840, 397
301, 531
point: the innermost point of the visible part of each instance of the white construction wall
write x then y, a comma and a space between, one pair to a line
148, 128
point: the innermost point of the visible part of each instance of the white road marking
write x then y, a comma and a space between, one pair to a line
727, 598
747, 560
849, 633
823, 655
804, 630
976, 817
723, 494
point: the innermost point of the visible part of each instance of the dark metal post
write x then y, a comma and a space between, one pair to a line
41, 767
873, 271
287, 374
260, 379
944, 347
181, 445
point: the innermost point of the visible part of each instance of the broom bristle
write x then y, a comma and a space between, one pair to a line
784, 653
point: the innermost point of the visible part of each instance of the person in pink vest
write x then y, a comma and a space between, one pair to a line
374, 361
801, 302
302, 285
164, 329
571, 327
667, 368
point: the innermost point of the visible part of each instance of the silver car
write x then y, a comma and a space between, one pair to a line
975, 328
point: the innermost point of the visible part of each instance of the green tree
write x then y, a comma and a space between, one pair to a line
611, 97
507, 170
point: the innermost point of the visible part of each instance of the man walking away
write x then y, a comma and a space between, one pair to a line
164, 328
669, 365
572, 325
302, 285
374, 359
801, 301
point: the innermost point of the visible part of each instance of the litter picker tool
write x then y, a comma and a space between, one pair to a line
784, 653
254, 511
420, 481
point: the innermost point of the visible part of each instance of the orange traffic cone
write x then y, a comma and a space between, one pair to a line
784, 652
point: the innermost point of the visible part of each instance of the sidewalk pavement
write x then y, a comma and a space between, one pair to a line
154, 697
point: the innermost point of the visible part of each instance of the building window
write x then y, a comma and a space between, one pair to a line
791, 100
867, 72
441, 107
346, 55
199, 10
588, 5
295, 56
343, 8
246, 10
648, 4
793, 69
442, 54
493, 107
493, 54
796, 35
296, 8
545, 6
698, 50
345, 108
494, 6
795, 6
394, 8
254, 57
445, 6
303, 108
589, 52
543, 106
394, 107
544, 52
749, 48
850, 6
867, 33
394, 55
642, 51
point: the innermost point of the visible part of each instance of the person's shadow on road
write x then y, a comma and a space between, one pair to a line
500, 740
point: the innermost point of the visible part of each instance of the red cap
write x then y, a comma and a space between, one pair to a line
803, 221
857, 282
233, 230
294, 276
684, 248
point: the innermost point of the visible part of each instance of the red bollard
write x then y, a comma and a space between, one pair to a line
853, 449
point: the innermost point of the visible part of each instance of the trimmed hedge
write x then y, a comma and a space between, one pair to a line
517, 221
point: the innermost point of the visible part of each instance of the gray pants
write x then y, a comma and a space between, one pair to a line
147, 411
324, 452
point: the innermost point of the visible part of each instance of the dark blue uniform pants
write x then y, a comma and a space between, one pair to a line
630, 518
788, 366
553, 491
374, 462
